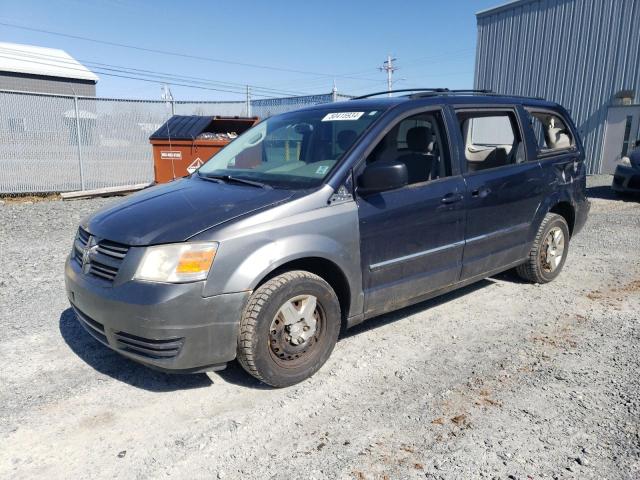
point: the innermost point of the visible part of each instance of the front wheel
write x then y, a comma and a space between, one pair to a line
548, 252
289, 328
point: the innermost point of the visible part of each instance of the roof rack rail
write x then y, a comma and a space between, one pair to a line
402, 90
432, 92
454, 92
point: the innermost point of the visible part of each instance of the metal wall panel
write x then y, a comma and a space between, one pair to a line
27, 83
578, 53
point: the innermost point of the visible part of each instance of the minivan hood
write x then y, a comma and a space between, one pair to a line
178, 210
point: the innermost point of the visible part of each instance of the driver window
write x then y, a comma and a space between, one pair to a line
420, 143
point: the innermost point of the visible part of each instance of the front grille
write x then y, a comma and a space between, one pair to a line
103, 258
146, 347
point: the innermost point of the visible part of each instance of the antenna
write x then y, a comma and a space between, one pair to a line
388, 67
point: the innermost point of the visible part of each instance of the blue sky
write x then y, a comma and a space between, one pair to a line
433, 41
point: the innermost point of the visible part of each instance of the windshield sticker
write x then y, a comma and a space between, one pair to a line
322, 170
332, 117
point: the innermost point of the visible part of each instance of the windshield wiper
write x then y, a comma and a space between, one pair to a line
209, 179
230, 179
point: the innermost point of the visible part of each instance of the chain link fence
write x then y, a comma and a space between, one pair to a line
56, 143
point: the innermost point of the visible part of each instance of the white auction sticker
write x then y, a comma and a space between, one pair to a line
332, 117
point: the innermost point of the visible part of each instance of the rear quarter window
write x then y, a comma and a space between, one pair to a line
551, 132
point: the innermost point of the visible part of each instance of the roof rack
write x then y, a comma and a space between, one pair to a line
403, 90
432, 92
446, 91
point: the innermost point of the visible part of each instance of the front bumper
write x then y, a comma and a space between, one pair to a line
169, 327
626, 179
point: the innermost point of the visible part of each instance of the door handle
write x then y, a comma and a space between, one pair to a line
450, 198
481, 192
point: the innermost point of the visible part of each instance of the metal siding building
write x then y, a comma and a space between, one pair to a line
28, 68
579, 53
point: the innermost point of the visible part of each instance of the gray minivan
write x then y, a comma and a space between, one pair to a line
315, 220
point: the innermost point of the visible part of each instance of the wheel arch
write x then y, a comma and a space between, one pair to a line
326, 269
559, 204
565, 210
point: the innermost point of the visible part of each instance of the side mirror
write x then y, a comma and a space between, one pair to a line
383, 176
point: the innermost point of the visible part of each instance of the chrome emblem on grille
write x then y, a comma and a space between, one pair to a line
88, 249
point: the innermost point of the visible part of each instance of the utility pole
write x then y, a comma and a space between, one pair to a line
388, 67
167, 96
248, 101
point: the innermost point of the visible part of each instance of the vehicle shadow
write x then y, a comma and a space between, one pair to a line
108, 362
391, 317
235, 374
605, 192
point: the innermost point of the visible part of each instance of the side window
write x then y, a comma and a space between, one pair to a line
420, 142
491, 139
550, 131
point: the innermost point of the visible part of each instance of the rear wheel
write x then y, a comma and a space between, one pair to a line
549, 251
289, 328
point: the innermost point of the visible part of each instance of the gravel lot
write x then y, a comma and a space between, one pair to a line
500, 380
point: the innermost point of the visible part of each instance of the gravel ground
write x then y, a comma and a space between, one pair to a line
502, 379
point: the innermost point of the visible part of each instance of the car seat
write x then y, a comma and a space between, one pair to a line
419, 162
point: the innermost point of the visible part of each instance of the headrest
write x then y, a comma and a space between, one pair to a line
558, 138
419, 138
346, 138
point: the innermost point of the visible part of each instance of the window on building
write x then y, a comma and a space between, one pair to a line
491, 139
551, 132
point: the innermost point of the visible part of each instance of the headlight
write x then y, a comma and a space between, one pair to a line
177, 263
625, 162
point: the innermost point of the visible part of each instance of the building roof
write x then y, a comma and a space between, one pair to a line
49, 62
503, 7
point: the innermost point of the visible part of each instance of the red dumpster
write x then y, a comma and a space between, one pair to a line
185, 142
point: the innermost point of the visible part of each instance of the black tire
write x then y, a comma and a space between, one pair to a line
258, 340
536, 269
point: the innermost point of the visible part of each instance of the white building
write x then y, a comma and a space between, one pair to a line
28, 68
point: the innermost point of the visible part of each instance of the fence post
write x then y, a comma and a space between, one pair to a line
78, 139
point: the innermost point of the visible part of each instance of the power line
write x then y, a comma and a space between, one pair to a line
142, 79
320, 75
171, 53
28, 56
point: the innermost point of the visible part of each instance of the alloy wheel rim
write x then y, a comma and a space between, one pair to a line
552, 250
295, 329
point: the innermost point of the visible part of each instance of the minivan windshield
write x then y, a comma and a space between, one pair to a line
294, 150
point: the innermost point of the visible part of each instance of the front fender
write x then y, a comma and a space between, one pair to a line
247, 255
273, 255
